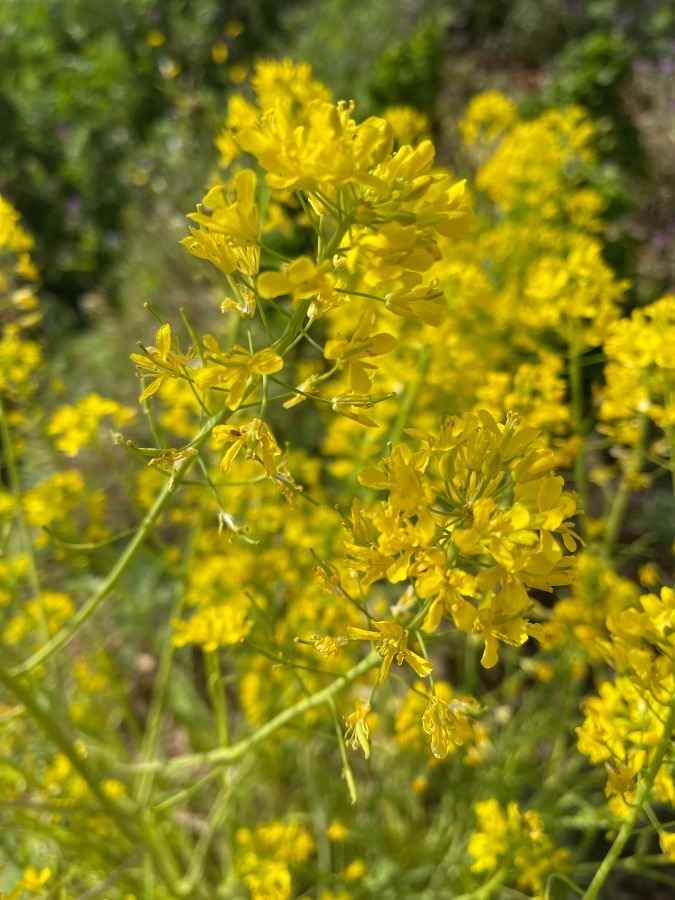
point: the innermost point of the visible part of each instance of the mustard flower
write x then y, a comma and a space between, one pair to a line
219, 625
234, 369
445, 512
488, 116
256, 437
518, 840
358, 730
228, 232
162, 360
362, 345
301, 279
75, 426
393, 646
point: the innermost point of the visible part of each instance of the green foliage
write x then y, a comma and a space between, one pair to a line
377, 52
87, 89
594, 73
409, 71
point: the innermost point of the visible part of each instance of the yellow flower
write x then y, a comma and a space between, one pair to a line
667, 842
447, 723
75, 426
408, 124
155, 38
355, 870
426, 303
488, 116
237, 219
301, 280
358, 732
34, 881
220, 625
235, 369
337, 831
516, 840
362, 345
258, 440
219, 53
229, 229
394, 646
162, 361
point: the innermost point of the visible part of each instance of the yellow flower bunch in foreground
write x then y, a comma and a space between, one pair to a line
473, 521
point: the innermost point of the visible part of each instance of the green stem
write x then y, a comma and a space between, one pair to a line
346, 768
217, 696
87, 610
294, 326
486, 890
227, 755
143, 785
122, 811
641, 797
216, 816
621, 498
110, 882
411, 395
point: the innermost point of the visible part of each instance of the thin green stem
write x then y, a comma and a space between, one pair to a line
486, 890
215, 820
621, 498
121, 810
217, 697
143, 785
228, 755
88, 609
346, 768
410, 395
359, 294
110, 882
294, 326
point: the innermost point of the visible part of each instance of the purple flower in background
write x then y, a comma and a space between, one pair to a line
74, 204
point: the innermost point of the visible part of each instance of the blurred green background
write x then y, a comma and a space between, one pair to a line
109, 113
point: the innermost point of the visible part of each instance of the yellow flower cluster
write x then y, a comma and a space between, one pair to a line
640, 384
578, 621
382, 211
20, 356
53, 609
473, 521
265, 857
524, 294
517, 840
625, 723
16, 243
76, 426
408, 124
516, 179
221, 617
488, 116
